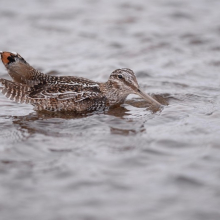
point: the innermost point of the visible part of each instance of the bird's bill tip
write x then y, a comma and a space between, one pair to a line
148, 98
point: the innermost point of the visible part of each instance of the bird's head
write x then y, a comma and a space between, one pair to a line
125, 80
11, 58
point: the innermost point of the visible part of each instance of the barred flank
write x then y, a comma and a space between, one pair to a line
15, 91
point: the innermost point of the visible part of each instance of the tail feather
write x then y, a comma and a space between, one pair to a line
15, 91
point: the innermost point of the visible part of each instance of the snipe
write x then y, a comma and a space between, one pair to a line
66, 93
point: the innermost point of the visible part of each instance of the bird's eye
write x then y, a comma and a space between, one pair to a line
120, 76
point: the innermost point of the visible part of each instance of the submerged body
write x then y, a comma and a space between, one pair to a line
67, 93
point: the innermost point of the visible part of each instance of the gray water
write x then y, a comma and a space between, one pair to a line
128, 163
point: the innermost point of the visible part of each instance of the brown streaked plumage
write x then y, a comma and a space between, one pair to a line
66, 93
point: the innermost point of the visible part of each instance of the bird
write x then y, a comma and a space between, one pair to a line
66, 93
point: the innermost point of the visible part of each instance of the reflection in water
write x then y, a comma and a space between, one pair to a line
46, 123
140, 103
40, 122
127, 132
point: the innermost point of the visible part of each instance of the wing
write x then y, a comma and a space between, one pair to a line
15, 91
68, 97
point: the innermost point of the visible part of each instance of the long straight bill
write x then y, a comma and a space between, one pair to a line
148, 98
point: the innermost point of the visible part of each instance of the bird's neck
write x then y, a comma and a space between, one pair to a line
113, 92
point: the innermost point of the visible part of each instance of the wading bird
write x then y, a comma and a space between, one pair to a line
66, 93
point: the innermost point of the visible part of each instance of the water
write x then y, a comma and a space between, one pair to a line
128, 163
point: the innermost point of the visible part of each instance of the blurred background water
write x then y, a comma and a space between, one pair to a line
128, 163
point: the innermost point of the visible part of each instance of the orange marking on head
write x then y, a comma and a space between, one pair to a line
4, 56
